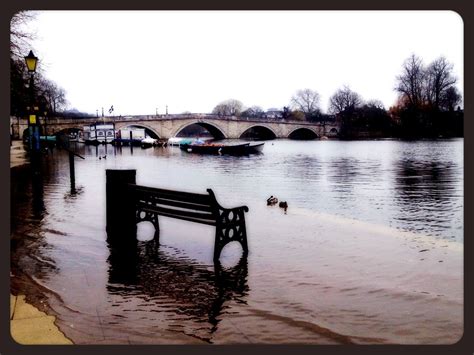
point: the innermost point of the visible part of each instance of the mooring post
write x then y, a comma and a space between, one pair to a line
131, 145
72, 174
120, 205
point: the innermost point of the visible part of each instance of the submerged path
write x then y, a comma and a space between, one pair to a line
29, 325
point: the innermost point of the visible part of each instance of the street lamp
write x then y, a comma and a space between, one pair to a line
33, 127
31, 62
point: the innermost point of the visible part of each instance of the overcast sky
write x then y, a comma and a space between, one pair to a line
140, 61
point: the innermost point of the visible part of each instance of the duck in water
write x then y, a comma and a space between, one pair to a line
272, 201
284, 205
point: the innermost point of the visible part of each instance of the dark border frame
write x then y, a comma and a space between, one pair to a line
464, 8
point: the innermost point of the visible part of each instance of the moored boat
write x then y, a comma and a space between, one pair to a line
130, 135
178, 141
255, 147
148, 142
222, 149
99, 133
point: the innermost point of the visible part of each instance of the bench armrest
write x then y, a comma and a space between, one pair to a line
245, 208
213, 196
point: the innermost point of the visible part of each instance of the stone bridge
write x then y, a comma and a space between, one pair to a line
167, 126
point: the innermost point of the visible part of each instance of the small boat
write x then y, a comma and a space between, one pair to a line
48, 139
130, 135
178, 141
206, 147
255, 147
148, 142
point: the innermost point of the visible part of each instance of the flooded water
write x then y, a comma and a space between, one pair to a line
369, 224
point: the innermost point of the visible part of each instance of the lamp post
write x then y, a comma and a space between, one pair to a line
33, 124
45, 126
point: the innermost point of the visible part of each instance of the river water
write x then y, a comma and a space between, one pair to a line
369, 250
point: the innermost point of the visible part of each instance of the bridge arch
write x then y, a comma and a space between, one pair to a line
303, 133
213, 129
150, 131
65, 130
71, 132
258, 131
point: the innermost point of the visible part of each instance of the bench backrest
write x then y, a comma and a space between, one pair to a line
199, 208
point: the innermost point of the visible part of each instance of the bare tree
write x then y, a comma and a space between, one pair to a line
306, 101
374, 103
450, 98
410, 84
254, 111
439, 79
54, 95
20, 39
344, 99
229, 107
297, 115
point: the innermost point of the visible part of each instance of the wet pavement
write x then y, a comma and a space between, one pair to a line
30, 326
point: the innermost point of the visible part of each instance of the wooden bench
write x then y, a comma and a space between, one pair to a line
199, 208
149, 203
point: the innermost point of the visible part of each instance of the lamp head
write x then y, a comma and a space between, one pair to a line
31, 62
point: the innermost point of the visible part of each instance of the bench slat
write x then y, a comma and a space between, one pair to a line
174, 195
184, 215
169, 202
177, 212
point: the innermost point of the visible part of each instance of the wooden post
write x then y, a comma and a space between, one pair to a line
72, 174
131, 145
120, 206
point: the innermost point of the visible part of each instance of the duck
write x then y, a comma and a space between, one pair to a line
271, 200
283, 204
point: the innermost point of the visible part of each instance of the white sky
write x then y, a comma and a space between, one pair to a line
191, 60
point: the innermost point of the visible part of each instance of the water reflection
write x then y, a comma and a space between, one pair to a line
424, 180
28, 245
424, 191
176, 286
343, 173
38, 207
302, 167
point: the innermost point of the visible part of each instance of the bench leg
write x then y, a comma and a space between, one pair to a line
226, 233
143, 216
218, 245
156, 237
243, 241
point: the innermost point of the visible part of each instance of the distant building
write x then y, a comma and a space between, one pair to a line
273, 114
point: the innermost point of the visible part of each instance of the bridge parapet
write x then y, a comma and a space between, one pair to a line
167, 126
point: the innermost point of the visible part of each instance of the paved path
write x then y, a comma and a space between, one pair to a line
28, 325
17, 154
